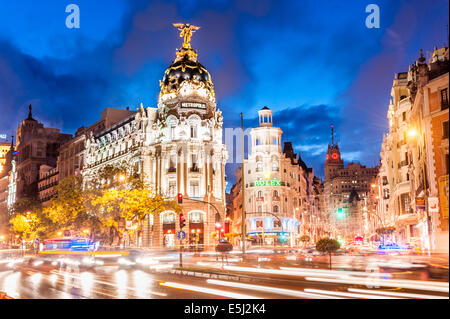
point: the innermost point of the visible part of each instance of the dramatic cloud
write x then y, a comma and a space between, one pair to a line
313, 64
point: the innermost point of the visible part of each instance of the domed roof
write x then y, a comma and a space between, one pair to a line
185, 69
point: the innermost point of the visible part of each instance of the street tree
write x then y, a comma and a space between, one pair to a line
328, 245
305, 239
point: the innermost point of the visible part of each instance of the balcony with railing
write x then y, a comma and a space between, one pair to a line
276, 198
402, 163
260, 199
171, 170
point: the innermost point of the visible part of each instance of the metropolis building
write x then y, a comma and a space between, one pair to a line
176, 147
279, 199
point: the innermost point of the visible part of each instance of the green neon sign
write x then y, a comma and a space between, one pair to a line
273, 182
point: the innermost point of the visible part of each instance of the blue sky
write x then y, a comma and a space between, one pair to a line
313, 63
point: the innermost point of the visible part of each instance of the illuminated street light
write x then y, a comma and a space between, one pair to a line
412, 132
122, 178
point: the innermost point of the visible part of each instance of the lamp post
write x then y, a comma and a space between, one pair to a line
243, 188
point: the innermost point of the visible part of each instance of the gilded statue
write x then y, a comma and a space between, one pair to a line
186, 31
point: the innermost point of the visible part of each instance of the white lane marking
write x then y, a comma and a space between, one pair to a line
280, 291
208, 290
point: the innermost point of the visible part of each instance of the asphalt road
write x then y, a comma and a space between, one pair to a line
259, 279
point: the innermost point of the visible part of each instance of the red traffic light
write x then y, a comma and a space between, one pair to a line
182, 221
180, 198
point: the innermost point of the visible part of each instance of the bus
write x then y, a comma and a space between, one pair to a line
68, 243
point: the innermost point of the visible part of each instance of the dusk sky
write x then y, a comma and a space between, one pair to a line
314, 63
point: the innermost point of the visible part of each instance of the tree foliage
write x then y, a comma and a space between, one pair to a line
327, 245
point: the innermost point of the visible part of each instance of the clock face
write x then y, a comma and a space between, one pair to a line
334, 156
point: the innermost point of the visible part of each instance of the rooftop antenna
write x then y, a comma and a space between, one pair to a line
332, 135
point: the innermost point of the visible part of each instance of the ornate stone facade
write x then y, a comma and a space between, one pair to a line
176, 148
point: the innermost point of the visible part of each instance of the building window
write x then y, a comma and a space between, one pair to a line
172, 188
404, 116
257, 141
275, 209
445, 130
172, 132
194, 163
444, 99
193, 132
259, 167
196, 217
275, 166
194, 189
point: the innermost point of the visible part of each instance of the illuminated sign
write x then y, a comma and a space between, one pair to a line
193, 105
273, 182
3, 136
433, 204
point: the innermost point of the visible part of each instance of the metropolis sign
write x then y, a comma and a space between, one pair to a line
193, 105
273, 182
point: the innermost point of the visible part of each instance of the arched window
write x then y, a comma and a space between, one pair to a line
275, 193
259, 166
259, 194
275, 209
275, 166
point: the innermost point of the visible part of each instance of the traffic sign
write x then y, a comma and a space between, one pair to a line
181, 235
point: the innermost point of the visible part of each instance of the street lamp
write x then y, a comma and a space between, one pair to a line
122, 178
413, 135
412, 132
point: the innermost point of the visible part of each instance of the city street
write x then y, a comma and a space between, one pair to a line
274, 276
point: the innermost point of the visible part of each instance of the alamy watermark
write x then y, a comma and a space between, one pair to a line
373, 19
73, 19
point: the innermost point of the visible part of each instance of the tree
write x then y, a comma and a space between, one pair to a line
305, 239
67, 208
115, 205
31, 224
27, 218
327, 245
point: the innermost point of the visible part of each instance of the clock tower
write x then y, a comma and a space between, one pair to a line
333, 161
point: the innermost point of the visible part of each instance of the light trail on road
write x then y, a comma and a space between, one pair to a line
345, 294
411, 284
280, 291
398, 294
207, 290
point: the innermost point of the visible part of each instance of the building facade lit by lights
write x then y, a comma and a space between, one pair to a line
177, 148
415, 166
346, 192
279, 196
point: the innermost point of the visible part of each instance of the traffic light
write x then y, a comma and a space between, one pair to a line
340, 213
182, 221
180, 198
